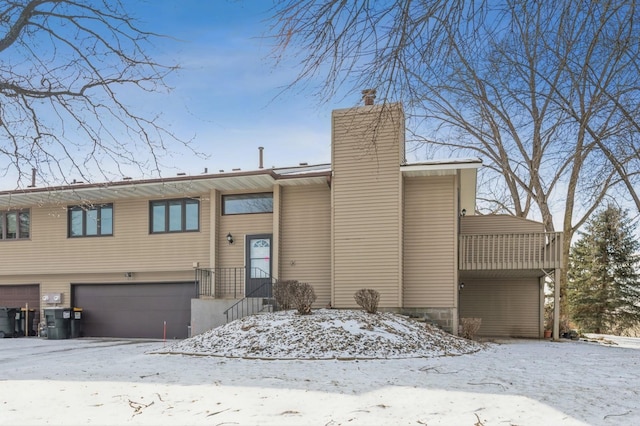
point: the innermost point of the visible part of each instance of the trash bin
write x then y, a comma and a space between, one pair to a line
76, 323
7, 322
21, 322
58, 323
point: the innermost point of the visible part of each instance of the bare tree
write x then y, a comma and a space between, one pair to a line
68, 70
545, 93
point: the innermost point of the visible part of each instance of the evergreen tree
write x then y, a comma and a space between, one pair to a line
604, 277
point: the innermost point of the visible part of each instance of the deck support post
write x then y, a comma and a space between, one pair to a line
556, 304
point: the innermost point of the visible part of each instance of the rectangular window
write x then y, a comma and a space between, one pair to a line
91, 221
12, 225
247, 203
15, 225
25, 224
182, 215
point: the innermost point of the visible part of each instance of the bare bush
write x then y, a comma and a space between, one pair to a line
282, 292
302, 297
469, 327
367, 299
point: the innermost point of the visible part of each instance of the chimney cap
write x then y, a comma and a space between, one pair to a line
368, 95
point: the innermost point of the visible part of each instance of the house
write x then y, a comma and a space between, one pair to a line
157, 257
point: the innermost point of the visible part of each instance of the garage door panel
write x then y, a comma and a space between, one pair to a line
507, 307
135, 310
17, 296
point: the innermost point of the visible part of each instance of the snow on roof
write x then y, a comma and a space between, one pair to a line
303, 169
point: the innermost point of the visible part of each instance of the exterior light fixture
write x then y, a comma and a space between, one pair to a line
463, 212
230, 238
461, 286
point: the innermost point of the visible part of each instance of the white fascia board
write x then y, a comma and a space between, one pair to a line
474, 163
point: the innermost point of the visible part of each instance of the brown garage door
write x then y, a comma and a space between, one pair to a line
135, 310
508, 307
17, 296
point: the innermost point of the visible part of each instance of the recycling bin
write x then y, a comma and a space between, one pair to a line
24, 322
7, 322
58, 323
76, 323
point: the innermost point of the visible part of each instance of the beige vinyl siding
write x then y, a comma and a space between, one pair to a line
305, 245
498, 224
131, 248
240, 225
61, 282
429, 242
138, 277
366, 203
508, 307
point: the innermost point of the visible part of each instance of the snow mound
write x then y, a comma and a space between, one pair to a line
325, 334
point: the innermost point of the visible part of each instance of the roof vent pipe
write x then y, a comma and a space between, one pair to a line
33, 177
260, 163
368, 95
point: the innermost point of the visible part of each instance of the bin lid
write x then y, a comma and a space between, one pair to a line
76, 309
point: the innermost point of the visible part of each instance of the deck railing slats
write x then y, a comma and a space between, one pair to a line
536, 250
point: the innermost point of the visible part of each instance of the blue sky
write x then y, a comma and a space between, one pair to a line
225, 95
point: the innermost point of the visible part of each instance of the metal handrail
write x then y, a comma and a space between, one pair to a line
251, 305
258, 300
229, 283
220, 282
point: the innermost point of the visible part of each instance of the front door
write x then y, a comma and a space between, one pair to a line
258, 261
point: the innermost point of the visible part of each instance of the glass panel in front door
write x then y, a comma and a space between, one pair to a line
260, 257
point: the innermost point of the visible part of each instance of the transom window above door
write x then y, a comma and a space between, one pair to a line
247, 203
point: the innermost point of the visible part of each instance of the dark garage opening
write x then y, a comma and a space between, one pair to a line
135, 310
17, 296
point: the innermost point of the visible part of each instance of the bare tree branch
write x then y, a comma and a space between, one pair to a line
545, 93
66, 70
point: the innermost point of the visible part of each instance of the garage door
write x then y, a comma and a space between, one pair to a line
17, 296
135, 310
507, 307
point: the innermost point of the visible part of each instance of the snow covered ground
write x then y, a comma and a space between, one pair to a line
516, 382
327, 334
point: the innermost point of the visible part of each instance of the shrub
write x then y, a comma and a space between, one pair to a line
367, 299
469, 327
302, 297
282, 292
